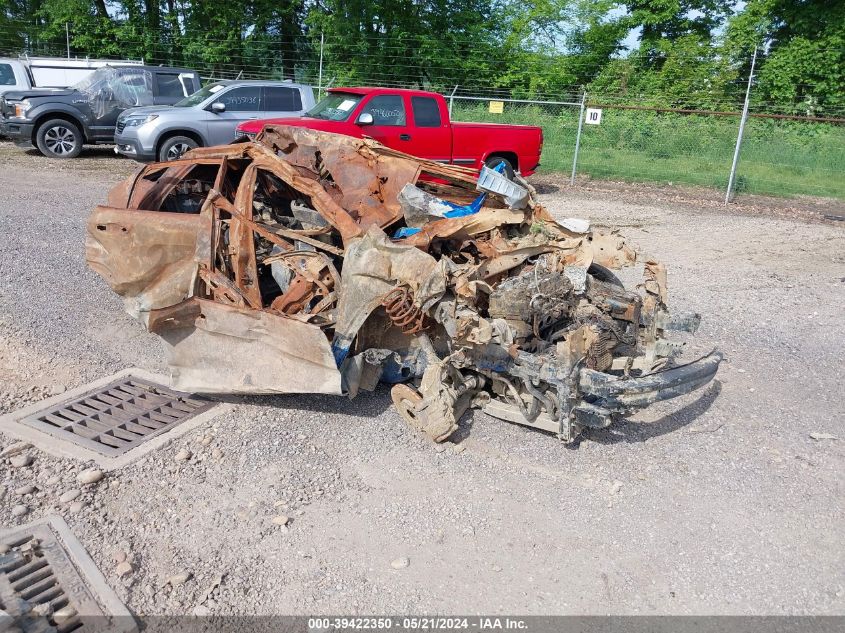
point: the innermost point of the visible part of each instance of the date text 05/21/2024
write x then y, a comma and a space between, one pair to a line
416, 623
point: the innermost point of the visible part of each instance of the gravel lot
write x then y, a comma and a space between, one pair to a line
717, 503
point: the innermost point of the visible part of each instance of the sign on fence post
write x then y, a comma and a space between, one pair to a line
593, 116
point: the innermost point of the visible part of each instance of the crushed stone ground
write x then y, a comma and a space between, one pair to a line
716, 503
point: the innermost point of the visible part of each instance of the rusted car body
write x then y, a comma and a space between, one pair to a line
275, 266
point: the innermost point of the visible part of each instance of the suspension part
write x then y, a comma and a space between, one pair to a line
399, 305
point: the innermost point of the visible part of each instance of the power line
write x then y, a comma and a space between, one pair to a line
301, 63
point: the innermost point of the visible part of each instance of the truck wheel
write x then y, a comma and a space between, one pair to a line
493, 161
58, 138
175, 146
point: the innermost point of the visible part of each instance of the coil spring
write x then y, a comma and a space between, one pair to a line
399, 305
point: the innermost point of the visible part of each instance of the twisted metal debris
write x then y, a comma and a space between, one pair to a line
317, 263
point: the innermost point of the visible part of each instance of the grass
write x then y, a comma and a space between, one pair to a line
781, 158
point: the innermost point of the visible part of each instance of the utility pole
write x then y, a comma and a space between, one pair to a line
578, 137
742, 120
320, 79
67, 39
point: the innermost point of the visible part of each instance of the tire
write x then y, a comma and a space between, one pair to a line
175, 146
604, 274
493, 161
58, 138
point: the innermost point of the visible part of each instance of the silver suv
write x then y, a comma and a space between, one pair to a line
208, 117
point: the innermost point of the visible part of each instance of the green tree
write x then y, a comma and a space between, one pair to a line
693, 75
668, 20
522, 48
15, 15
802, 57
434, 43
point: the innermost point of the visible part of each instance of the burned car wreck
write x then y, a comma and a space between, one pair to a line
308, 262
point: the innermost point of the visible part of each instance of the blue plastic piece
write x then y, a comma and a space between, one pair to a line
500, 168
405, 231
458, 210
340, 348
409, 365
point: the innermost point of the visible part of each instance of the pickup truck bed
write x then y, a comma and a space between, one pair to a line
521, 143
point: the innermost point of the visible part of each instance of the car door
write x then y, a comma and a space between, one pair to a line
431, 136
281, 101
241, 103
390, 121
146, 254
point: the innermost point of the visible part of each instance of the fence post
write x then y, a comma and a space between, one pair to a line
742, 120
67, 39
452, 99
320, 78
578, 137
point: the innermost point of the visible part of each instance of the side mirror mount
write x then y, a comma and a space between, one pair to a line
217, 107
365, 118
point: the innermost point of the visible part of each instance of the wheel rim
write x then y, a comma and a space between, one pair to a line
177, 150
406, 399
60, 140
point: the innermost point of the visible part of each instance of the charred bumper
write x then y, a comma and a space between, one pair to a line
593, 399
622, 394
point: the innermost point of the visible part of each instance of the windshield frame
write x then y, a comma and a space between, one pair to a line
338, 98
189, 102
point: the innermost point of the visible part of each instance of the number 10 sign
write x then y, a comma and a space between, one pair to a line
593, 116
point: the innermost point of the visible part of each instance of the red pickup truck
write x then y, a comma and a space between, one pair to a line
417, 122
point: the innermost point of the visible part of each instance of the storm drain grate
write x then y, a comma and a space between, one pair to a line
119, 416
38, 581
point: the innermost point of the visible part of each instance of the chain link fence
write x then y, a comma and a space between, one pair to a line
559, 121
778, 157
657, 147
792, 158
637, 142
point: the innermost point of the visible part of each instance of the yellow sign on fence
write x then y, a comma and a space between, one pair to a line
497, 107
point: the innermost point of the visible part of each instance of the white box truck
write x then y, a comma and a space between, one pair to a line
25, 73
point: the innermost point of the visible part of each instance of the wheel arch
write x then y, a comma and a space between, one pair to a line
509, 156
40, 119
169, 134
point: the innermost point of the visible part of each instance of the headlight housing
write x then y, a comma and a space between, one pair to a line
137, 120
22, 108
